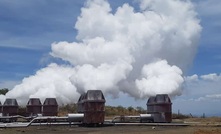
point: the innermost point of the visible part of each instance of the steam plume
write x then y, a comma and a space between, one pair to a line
141, 53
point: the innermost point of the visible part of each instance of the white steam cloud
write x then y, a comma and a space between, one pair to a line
141, 52
52, 81
156, 80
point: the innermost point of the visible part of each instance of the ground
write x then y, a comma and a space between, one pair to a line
197, 126
113, 129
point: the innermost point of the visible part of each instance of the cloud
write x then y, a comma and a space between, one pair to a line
135, 38
8, 84
197, 108
209, 11
191, 78
203, 87
104, 77
202, 94
160, 78
52, 81
126, 50
35, 25
212, 77
214, 96
209, 7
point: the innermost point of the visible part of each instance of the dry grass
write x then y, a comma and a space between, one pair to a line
204, 120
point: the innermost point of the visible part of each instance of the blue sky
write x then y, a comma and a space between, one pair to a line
29, 27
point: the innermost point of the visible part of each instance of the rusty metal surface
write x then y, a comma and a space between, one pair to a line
162, 117
163, 98
168, 116
50, 107
161, 108
34, 106
151, 104
10, 102
0, 107
92, 105
10, 107
94, 112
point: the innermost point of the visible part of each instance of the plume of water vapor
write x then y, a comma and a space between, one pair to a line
158, 32
159, 78
140, 53
52, 81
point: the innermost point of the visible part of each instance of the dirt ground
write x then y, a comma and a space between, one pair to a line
113, 129
197, 126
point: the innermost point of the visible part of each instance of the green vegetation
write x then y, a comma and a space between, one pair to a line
120, 110
22, 111
69, 108
180, 116
112, 111
4, 91
109, 110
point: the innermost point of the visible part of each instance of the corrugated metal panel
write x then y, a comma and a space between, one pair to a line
162, 117
151, 104
91, 117
10, 107
162, 98
92, 105
94, 112
96, 95
0, 107
50, 107
34, 106
10, 102
168, 116
161, 108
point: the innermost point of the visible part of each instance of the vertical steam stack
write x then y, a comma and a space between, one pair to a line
10, 107
34, 107
50, 107
92, 105
160, 107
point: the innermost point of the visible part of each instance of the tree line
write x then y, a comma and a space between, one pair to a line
109, 110
3, 91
